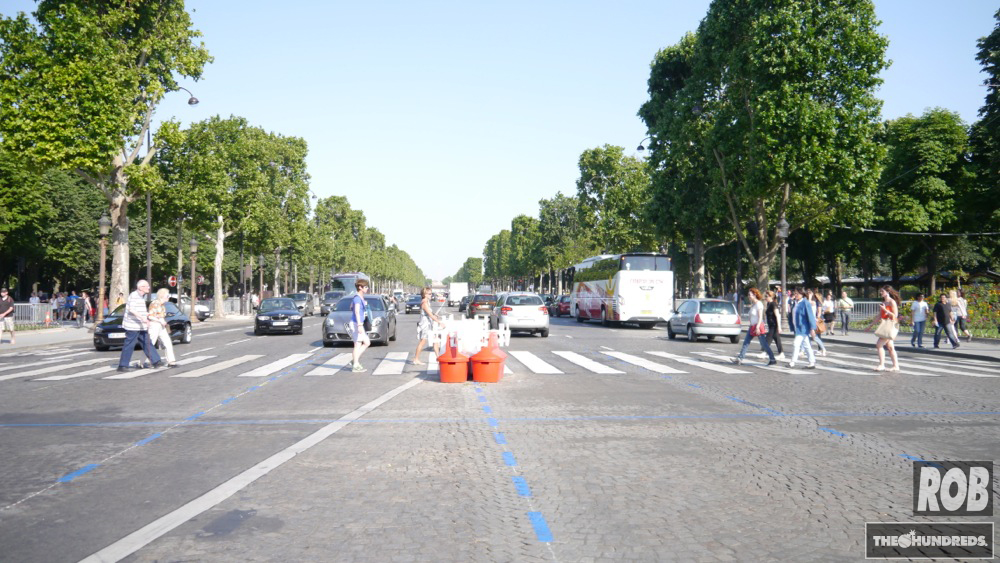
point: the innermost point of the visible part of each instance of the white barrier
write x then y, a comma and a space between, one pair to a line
471, 334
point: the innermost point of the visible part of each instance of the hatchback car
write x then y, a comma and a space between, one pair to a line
413, 304
304, 303
521, 311
277, 314
110, 332
560, 306
481, 304
330, 298
705, 317
336, 328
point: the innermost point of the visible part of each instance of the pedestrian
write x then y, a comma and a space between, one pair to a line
120, 300
425, 326
80, 306
813, 296
255, 300
804, 316
793, 300
71, 306
359, 313
6, 315
135, 321
35, 307
846, 306
918, 317
960, 309
758, 328
944, 323
773, 313
159, 329
888, 328
829, 313
57, 305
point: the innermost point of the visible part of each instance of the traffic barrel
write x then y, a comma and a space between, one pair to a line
487, 364
453, 366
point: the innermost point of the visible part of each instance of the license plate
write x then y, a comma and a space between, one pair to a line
116, 335
647, 312
279, 323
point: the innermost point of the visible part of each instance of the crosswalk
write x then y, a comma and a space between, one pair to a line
701, 361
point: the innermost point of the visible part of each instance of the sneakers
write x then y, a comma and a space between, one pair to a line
781, 356
772, 362
762, 355
358, 368
811, 366
737, 360
791, 365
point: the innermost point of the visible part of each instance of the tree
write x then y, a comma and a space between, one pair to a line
612, 192
980, 207
525, 250
111, 62
564, 241
787, 90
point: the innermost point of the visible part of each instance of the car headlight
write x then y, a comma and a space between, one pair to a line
296, 317
98, 330
378, 322
263, 318
331, 322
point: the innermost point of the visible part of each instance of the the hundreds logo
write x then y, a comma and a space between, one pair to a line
953, 488
913, 540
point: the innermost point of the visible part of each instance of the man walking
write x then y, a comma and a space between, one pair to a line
918, 314
804, 318
136, 325
6, 314
943, 322
845, 305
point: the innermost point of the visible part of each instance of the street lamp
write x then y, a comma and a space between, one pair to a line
690, 252
783, 237
104, 223
192, 101
194, 279
641, 147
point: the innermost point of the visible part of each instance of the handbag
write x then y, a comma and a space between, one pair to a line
758, 329
368, 324
820, 327
887, 330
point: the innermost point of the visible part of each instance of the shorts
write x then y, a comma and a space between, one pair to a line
8, 323
960, 323
357, 332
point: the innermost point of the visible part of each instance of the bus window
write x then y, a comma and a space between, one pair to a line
644, 263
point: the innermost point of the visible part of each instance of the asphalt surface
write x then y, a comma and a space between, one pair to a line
601, 444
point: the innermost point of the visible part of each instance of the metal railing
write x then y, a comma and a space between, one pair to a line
862, 311
33, 315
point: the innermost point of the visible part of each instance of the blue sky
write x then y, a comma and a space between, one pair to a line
442, 121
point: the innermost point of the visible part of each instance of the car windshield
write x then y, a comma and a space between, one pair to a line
119, 311
718, 308
171, 308
332, 295
564, 299
298, 296
485, 299
276, 305
516, 300
374, 304
414, 299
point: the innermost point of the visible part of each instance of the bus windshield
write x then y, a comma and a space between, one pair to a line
644, 263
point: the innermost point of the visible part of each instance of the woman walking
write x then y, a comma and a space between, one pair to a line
829, 312
773, 314
758, 328
961, 309
359, 312
887, 329
159, 330
425, 326
817, 305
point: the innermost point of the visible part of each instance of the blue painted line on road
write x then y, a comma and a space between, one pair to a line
542, 531
478, 389
194, 416
492, 422
229, 400
694, 385
832, 431
487, 409
521, 486
85, 469
145, 441
508, 458
254, 388
911, 458
482, 399
500, 438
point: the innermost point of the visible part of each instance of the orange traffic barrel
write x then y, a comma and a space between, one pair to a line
453, 366
487, 364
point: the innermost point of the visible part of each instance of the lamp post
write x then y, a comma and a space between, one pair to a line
260, 285
194, 279
690, 252
783, 237
104, 223
641, 148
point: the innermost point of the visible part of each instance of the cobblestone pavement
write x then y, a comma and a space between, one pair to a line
680, 457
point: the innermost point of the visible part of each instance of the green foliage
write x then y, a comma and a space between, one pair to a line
612, 193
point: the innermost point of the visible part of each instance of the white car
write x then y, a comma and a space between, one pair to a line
705, 317
521, 311
201, 311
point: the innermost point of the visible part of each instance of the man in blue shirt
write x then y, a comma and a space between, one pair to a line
803, 325
360, 336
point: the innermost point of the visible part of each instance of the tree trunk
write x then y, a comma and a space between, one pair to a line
932, 265
277, 271
119, 247
894, 264
699, 264
220, 240
312, 278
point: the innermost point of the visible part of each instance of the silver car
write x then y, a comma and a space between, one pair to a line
330, 298
520, 310
304, 302
705, 317
335, 328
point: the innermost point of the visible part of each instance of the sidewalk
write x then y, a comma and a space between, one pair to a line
71, 334
978, 349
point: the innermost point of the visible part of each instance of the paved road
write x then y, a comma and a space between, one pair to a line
601, 444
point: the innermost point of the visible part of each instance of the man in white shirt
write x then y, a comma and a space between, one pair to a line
918, 315
136, 325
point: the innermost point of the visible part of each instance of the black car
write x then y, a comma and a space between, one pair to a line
413, 304
111, 334
463, 303
277, 314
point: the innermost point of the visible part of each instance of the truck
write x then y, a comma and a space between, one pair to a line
456, 291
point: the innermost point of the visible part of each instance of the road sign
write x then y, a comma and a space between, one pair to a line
201, 280
172, 281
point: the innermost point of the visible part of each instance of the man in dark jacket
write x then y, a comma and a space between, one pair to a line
943, 322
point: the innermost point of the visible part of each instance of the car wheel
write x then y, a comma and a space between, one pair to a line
256, 331
186, 337
327, 344
670, 332
545, 333
734, 339
692, 337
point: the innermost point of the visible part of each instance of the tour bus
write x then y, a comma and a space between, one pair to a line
345, 282
635, 287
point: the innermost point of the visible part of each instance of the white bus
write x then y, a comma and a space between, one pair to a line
635, 287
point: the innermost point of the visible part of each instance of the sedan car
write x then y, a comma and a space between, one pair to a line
560, 306
304, 303
336, 328
330, 299
201, 311
463, 304
523, 311
110, 332
413, 304
481, 304
705, 317
277, 314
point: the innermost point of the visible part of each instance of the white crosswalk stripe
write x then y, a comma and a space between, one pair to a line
8, 367
700, 363
586, 363
970, 370
533, 362
790, 371
141, 372
433, 368
392, 364
95, 371
266, 370
217, 367
52, 369
332, 366
642, 362
866, 363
